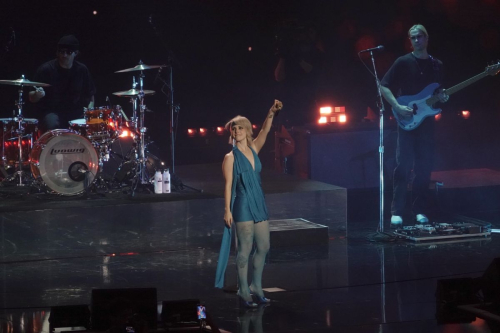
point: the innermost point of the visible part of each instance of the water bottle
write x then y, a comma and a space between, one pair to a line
158, 182
166, 181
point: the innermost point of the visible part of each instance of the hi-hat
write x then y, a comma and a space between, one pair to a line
133, 92
139, 67
24, 82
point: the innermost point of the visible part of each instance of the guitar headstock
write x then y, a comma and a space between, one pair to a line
493, 69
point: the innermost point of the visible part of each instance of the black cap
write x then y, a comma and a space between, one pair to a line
69, 41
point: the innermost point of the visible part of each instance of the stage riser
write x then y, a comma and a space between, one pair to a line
150, 227
349, 157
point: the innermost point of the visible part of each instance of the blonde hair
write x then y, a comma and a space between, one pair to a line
245, 123
418, 27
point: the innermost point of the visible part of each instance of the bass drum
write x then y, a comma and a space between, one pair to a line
62, 159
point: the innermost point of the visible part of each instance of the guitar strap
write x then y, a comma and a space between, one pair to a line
435, 68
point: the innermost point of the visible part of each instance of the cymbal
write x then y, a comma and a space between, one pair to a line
139, 67
24, 82
133, 92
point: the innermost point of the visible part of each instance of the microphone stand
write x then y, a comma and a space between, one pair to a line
174, 179
381, 146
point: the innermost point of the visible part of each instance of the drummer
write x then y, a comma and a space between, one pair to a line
71, 88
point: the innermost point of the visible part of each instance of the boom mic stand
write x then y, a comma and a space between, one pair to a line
381, 143
380, 147
174, 179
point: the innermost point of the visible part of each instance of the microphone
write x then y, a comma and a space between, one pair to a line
378, 48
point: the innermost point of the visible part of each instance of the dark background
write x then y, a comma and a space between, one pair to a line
217, 77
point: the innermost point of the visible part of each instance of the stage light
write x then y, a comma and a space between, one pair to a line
191, 131
94, 12
249, 49
322, 120
124, 134
162, 163
129, 253
325, 110
340, 109
254, 126
438, 117
220, 129
342, 118
466, 114
203, 131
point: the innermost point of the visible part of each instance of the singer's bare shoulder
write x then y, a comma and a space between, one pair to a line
227, 165
228, 159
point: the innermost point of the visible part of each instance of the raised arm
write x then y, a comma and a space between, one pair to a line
266, 127
227, 171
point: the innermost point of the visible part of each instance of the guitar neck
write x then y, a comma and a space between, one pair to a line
458, 87
466, 83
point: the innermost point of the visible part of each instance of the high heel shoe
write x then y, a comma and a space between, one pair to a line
258, 299
261, 300
247, 304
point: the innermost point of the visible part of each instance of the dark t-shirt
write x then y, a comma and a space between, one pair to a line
409, 75
70, 90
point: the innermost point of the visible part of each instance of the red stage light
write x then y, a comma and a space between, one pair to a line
342, 118
322, 120
129, 254
466, 114
203, 130
254, 126
438, 117
191, 131
220, 129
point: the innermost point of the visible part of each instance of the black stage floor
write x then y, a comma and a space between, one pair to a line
55, 251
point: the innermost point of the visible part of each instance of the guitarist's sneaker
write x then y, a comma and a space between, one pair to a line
396, 222
421, 218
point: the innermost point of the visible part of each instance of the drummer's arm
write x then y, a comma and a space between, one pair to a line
36, 95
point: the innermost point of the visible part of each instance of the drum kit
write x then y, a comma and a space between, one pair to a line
69, 161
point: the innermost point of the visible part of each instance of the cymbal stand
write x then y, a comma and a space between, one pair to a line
20, 132
142, 131
133, 100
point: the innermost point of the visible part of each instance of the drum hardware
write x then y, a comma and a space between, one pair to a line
22, 82
141, 176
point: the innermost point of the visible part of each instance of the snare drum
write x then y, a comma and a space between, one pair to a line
79, 126
62, 159
9, 132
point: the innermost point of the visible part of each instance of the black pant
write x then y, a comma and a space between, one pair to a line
415, 151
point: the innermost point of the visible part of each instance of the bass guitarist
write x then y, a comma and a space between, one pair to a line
409, 75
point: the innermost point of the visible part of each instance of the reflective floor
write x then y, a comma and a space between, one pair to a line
350, 285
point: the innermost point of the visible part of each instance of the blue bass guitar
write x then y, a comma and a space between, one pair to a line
422, 103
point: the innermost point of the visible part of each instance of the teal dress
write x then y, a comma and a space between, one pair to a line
247, 204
